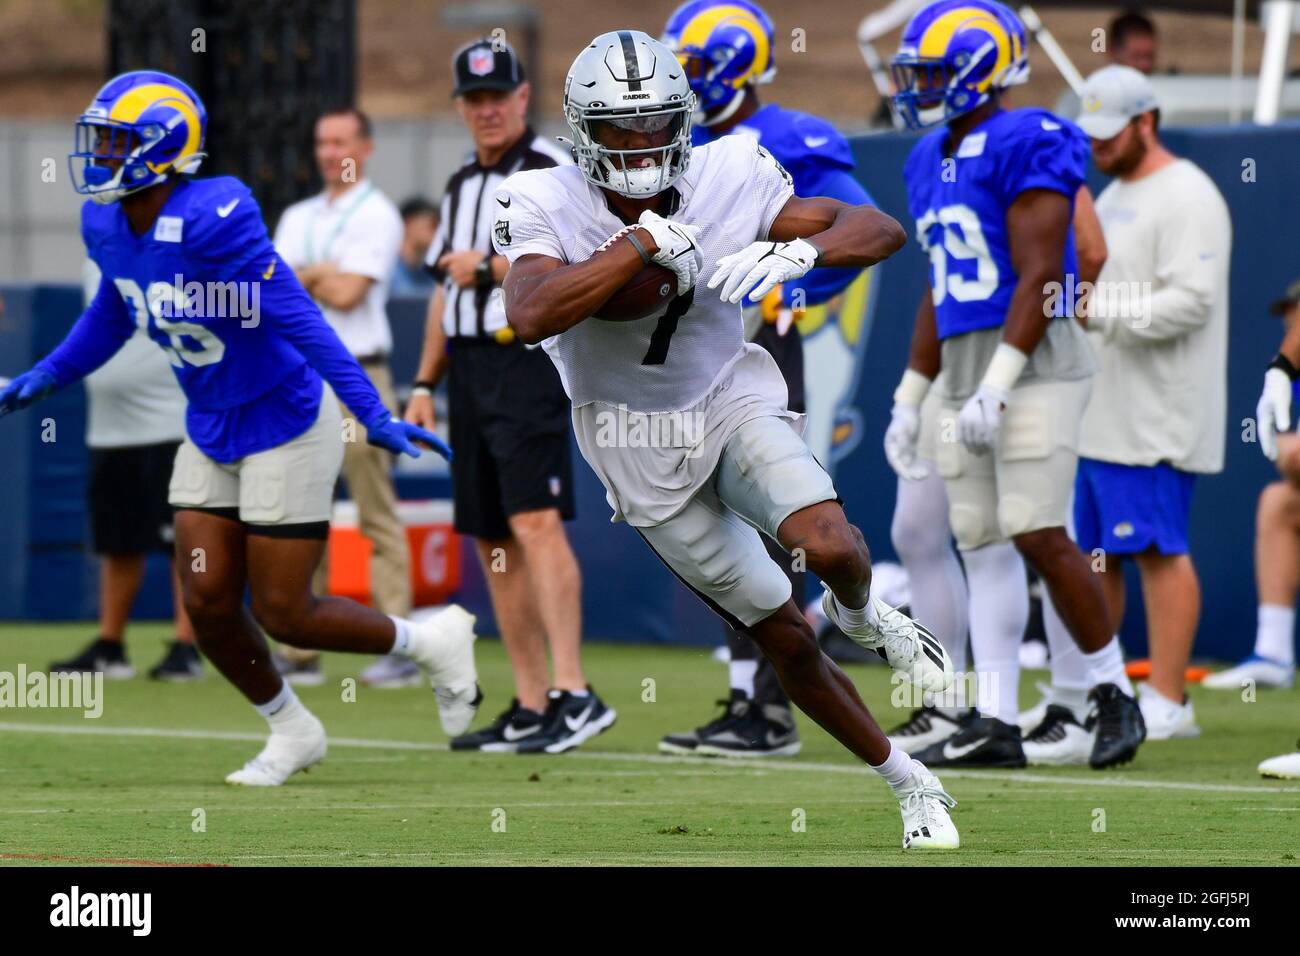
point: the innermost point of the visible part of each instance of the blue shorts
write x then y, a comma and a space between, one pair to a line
1127, 509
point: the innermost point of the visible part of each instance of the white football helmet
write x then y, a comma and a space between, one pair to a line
629, 80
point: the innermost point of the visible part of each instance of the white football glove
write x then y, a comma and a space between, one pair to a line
980, 419
760, 266
1273, 413
678, 248
900, 442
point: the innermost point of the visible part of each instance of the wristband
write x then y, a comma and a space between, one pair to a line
423, 387
640, 249
1280, 361
912, 389
1005, 367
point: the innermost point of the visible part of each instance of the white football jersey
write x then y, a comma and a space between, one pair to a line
733, 190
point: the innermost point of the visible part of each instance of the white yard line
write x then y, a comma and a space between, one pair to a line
705, 766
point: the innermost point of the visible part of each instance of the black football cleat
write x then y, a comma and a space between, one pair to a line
101, 655
181, 663
758, 731
685, 742
982, 742
1120, 729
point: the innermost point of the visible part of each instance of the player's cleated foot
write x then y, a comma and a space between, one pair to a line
286, 752
759, 730
100, 656
925, 804
685, 742
928, 726
443, 645
1164, 719
1285, 767
1118, 725
570, 720
1059, 741
299, 673
504, 735
906, 644
181, 663
391, 671
1256, 670
982, 742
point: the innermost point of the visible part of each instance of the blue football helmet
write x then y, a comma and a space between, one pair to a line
725, 46
140, 128
953, 55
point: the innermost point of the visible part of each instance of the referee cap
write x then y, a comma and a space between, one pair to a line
486, 64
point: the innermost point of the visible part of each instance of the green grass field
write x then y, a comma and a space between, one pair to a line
130, 785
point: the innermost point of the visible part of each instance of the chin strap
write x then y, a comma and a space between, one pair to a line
725, 113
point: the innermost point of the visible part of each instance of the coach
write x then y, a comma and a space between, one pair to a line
511, 474
343, 244
1157, 417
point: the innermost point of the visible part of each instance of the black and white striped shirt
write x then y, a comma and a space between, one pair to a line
467, 224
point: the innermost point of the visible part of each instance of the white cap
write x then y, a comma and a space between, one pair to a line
1111, 97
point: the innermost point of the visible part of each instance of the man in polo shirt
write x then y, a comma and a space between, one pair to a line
343, 245
512, 476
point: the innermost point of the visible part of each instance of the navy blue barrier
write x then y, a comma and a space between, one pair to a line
628, 595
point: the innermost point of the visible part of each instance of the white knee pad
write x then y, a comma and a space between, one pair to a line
767, 473
972, 526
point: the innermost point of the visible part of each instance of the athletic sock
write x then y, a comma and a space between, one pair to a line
402, 639
856, 617
896, 768
282, 710
1275, 633
742, 676
1075, 699
1070, 683
999, 611
1106, 666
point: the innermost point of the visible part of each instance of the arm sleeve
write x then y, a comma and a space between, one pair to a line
102, 329
822, 284
1189, 253
521, 227
291, 313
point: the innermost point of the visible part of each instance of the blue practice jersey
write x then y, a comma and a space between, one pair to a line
960, 206
820, 162
244, 338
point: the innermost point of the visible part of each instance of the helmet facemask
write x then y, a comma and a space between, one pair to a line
633, 171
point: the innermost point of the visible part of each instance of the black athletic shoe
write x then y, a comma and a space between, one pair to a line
101, 655
503, 735
181, 662
759, 731
1120, 729
570, 720
686, 741
982, 742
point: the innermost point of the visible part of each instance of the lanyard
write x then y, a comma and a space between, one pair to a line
338, 226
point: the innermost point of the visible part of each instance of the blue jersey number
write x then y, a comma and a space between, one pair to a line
203, 348
963, 240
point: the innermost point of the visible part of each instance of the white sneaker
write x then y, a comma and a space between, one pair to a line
1059, 740
284, 755
926, 726
924, 804
1166, 720
1031, 718
907, 645
443, 645
1262, 671
1285, 767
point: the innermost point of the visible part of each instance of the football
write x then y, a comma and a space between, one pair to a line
644, 294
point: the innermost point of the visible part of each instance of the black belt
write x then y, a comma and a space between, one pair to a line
378, 358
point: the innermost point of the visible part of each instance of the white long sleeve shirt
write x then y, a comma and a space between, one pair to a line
1159, 323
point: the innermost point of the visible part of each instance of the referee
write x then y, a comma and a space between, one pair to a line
511, 474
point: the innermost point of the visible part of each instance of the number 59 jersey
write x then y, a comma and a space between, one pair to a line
960, 205
733, 190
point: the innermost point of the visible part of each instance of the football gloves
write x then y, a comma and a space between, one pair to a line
759, 267
398, 437
980, 420
26, 389
1273, 413
900, 442
678, 248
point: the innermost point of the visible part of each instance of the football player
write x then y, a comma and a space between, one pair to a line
700, 496
253, 482
726, 47
992, 192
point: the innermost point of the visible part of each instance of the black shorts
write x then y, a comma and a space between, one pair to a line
510, 424
129, 513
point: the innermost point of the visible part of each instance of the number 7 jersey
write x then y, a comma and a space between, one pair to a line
733, 190
960, 205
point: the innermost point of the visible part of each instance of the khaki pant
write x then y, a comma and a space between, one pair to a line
368, 472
